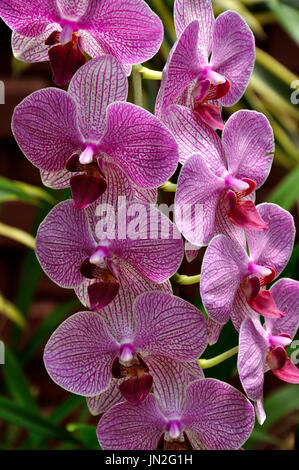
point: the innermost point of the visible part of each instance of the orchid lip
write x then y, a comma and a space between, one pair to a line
279, 340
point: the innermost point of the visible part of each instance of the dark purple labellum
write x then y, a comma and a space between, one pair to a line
288, 372
86, 189
101, 293
136, 389
210, 114
65, 60
53, 39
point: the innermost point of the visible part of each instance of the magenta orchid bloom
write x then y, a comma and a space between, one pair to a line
90, 353
209, 65
264, 347
74, 137
61, 30
207, 414
73, 256
219, 176
233, 282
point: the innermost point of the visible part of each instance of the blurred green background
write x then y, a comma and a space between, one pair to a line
34, 412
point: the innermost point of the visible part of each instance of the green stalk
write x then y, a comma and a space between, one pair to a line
214, 361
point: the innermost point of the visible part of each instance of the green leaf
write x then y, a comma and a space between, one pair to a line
261, 436
280, 403
30, 421
11, 190
287, 16
287, 192
68, 406
86, 434
47, 327
17, 383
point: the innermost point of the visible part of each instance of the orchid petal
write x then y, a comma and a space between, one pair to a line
249, 145
193, 136
222, 271
63, 242
214, 330
79, 354
268, 247
97, 84
253, 348
129, 427
169, 326
29, 19
197, 195
32, 49
233, 54
44, 125
186, 11
183, 66
130, 28
285, 293
102, 403
220, 415
140, 144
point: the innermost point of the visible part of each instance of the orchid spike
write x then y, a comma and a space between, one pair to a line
209, 65
263, 348
75, 137
219, 177
233, 282
62, 30
89, 354
141, 248
206, 414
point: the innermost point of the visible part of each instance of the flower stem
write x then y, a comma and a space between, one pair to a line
214, 361
17, 235
169, 187
136, 82
184, 280
150, 74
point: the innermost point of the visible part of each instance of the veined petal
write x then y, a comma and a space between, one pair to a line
214, 330
45, 127
32, 49
220, 415
28, 18
197, 195
193, 136
169, 326
152, 244
55, 179
260, 412
140, 144
253, 348
129, 427
63, 242
97, 84
233, 54
186, 11
130, 28
285, 293
191, 251
79, 354
170, 380
74, 10
223, 268
103, 402
183, 66
249, 145
268, 247
241, 310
